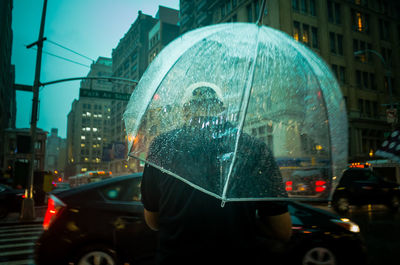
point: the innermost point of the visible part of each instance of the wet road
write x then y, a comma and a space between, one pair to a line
380, 228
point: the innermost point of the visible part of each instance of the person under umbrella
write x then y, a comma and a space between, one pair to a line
193, 227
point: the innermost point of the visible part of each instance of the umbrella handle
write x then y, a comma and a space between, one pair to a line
261, 15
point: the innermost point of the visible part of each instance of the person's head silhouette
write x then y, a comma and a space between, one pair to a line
203, 102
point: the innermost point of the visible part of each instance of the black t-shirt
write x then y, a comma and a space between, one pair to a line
194, 228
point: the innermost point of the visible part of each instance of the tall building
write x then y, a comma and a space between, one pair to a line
88, 123
359, 39
164, 31
143, 41
55, 152
7, 75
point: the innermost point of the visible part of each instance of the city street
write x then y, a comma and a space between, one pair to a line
380, 229
17, 243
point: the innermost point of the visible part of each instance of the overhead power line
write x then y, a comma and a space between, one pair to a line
68, 49
63, 58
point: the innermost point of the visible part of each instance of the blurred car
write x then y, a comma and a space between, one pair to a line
362, 186
309, 182
102, 223
10, 200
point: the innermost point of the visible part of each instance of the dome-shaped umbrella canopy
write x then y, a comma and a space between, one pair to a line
272, 122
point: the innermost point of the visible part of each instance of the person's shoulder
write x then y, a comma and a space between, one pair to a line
252, 141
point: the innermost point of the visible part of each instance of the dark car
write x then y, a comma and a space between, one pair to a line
102, 223
10, 200
362, 186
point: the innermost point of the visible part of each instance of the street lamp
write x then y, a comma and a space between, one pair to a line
388, 73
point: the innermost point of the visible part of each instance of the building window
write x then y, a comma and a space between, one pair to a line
368, 108
302, 33
256, 9
360, 21
249, 13
315, 42
359, 45
295, 5
296, 30
306, 35
38, 145
383, 7
336, 43
392, 85
361, 106
334, 12
387, 55
340, 73
228, 7
375, 109
313, 10
372, 81
303, 6
365, 80
384, 27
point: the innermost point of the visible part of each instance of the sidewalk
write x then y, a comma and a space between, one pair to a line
13, 218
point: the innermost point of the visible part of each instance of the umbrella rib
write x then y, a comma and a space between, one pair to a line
175, 175
244, 105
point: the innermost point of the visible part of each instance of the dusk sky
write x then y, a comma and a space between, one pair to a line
90, 27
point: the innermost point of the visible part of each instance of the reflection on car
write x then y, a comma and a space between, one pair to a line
10, 200
102, 223
362, 186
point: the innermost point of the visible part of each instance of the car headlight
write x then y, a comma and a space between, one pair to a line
347, 224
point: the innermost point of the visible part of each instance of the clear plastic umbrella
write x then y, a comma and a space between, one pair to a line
241, 112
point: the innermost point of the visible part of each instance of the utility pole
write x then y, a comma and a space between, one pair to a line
28, 205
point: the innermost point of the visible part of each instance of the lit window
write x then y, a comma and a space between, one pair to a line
359, 21
99, 138
95, 129
82, 145
95, 115
296, 30
88, 129
84, 169
83, 137
86, 159
99, 116
83, 114
305, 37
88, 114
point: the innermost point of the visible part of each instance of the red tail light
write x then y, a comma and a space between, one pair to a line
54, 208
289, 185
320, 186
